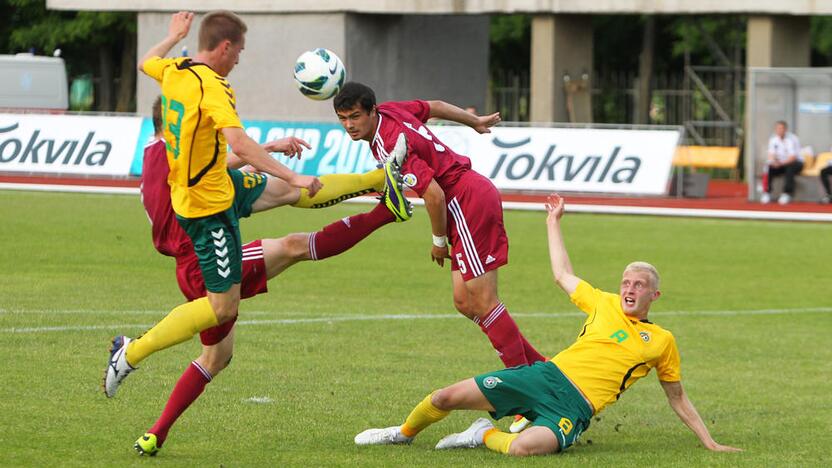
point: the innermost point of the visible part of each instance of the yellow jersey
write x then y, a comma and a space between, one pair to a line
197, 104
613, 350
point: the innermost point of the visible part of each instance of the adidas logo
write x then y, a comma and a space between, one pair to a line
489, 259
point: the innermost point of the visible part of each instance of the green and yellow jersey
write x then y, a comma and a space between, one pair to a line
613, 350
197, 104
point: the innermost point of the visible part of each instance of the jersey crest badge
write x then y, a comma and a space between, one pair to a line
410, 179
491, 382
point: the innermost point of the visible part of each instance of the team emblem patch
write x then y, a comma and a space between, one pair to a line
410, 179
645, 336
565, 425
491, 382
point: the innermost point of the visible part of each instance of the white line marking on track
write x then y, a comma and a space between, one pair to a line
359, 318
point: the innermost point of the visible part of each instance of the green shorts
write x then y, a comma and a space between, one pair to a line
216, 238
248, 187
542, 394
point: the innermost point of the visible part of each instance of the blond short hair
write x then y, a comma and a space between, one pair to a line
644, 266
218, 26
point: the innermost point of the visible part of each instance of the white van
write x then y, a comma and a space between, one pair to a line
33, 82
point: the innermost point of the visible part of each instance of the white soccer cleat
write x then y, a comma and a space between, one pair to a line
519, 424
765, 198
469, 438
387, 436
117, 366
784, 199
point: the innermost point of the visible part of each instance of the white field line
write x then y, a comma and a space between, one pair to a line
393, 317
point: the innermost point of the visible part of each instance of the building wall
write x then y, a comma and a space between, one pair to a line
263, 79
420, 57
402, 57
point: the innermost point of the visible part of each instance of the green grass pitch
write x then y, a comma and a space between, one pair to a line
747, 301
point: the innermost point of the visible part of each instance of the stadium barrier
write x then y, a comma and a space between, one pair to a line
590, 159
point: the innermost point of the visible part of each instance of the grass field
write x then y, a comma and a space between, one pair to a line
320, 358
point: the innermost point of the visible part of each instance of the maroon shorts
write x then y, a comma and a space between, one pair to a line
475, 226
189, 277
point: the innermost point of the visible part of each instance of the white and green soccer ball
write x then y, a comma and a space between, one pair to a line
319, 74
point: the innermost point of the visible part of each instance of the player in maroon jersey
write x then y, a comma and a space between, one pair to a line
464, 207
262, 260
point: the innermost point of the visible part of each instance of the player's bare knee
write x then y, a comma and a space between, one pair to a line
225, 313
225, 306
463, 307
443, 399
297, 246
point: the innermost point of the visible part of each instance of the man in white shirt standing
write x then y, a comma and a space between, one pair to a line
783, 159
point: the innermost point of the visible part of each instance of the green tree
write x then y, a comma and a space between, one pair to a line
511, 37
102, 44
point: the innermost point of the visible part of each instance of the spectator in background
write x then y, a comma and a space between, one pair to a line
783, 159
825, 173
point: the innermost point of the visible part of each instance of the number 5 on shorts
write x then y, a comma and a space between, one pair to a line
461, 264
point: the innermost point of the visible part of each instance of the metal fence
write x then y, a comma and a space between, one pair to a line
707, 101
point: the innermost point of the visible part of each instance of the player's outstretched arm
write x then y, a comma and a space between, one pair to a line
290, 146
687, 413
445, 111
561, 266
180, 24
435, 205
249, 151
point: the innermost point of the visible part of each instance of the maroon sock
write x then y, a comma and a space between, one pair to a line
532, 355
186, 391
342, 235
504, 335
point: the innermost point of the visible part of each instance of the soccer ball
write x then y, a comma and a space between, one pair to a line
319, 74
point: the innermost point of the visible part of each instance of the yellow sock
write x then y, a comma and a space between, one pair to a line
422, 416
499, 441
179, 325
340, 187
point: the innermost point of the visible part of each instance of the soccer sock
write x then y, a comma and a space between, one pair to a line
340, 187
342, 235
498, 441
179, 325
187, 390
532, 355
504, 335
422, 416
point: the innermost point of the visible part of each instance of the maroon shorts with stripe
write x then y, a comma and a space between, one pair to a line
475, 226
189, 277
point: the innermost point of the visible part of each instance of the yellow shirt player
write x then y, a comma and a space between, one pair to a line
200, 121
615, 349
616, 346
197, 103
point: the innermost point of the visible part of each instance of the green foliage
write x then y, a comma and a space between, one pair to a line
692, 32
323, 359
35, 26
822, 37
510, 42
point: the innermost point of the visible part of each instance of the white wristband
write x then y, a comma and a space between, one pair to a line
440, 241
